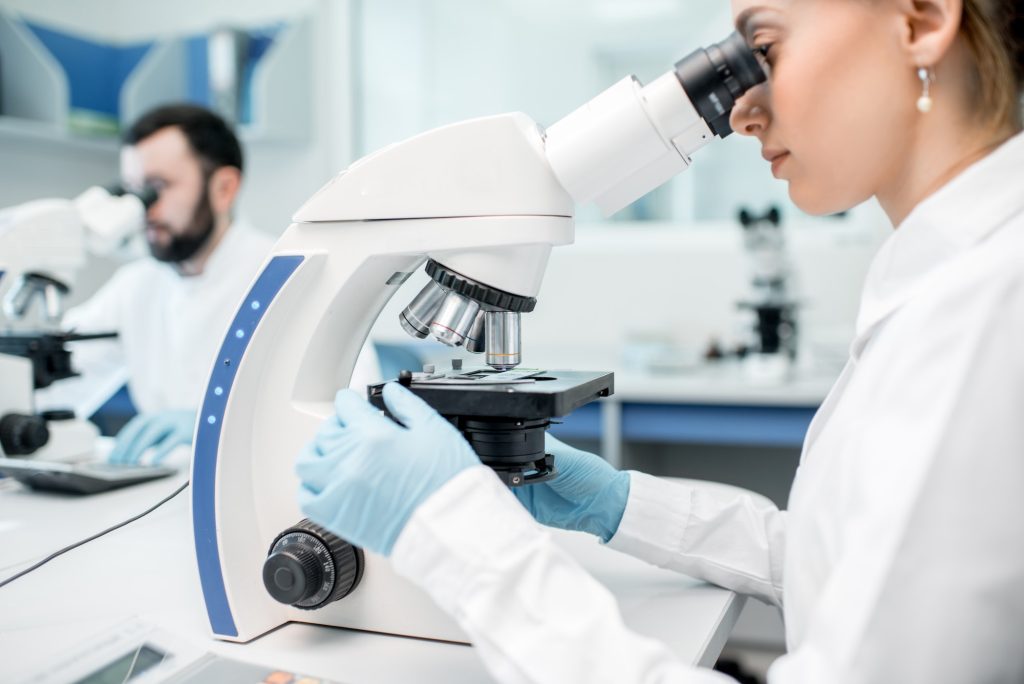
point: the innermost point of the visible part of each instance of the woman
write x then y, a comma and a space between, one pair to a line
901, 557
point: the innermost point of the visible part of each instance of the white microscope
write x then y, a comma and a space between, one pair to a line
772, 307
43, 244
482, 202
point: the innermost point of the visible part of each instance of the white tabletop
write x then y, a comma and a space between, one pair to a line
146, 571
725, 382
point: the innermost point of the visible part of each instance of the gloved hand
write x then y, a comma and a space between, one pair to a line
363, 475
587, 495
162, 431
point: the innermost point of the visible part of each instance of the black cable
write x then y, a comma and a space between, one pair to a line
119, 525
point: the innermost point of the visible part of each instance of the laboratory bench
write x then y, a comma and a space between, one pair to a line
712, 405
146, 572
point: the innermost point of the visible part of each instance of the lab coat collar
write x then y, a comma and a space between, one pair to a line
219, 260
221, 257
958, 216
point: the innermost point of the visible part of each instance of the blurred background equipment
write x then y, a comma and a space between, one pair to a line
228, 52
43, 244
772, 348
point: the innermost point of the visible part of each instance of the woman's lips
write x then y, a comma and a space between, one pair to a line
775, 158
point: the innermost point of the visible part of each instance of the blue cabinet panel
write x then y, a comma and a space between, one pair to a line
696, 424
700, 424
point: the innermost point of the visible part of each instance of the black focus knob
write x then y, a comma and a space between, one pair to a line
21, 435
293, 576
308, 567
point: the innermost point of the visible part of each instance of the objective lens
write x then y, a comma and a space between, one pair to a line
503, 340
715, 77
453, 320
475, 341
416, 317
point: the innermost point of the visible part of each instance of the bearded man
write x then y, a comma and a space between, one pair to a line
170, 310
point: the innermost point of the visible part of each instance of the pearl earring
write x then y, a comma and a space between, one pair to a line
924, 103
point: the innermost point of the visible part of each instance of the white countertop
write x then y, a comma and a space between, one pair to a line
721, 384
146, 571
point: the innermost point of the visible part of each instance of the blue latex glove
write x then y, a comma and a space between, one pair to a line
587, 495
162, 431
363, 475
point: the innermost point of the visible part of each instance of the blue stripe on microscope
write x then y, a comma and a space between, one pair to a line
204, 467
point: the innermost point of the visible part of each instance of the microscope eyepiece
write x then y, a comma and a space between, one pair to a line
716, 76
147, 194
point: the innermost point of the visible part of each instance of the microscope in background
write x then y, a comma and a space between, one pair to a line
43, 244
770, 351
481, 203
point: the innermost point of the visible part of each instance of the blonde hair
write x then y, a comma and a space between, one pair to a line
994, 32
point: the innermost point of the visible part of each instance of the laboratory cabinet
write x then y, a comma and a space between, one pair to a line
61, 88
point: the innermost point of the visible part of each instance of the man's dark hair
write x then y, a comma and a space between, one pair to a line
210, 137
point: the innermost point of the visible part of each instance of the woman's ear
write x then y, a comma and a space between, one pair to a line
224, 185
929, 29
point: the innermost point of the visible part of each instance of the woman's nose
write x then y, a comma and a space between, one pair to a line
750, 114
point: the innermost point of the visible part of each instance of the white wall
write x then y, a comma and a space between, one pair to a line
281, 176
431, 63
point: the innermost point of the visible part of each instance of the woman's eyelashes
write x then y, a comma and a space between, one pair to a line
764, 55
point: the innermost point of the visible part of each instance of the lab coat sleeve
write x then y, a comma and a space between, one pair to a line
930, 587
532, 612
726, 538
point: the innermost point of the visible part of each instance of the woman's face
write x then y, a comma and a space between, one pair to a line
835, 115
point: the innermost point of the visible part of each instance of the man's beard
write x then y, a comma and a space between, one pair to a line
183, 247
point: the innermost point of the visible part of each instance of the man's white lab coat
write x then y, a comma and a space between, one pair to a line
170, 326
901, 557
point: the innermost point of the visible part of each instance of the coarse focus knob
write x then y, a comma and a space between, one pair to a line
308, 567
294, 575
21, 435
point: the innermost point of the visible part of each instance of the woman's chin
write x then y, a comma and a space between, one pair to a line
817, 202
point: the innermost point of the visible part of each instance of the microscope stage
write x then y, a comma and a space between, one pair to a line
528, 394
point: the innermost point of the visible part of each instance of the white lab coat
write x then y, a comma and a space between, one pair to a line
901, 557
170, 326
